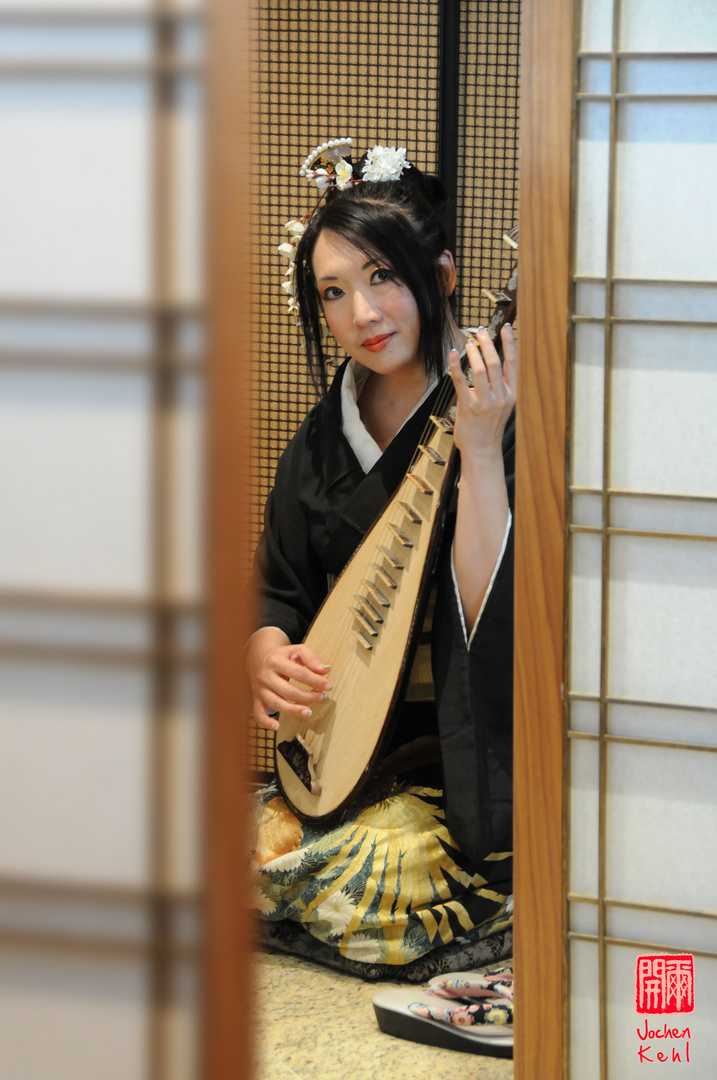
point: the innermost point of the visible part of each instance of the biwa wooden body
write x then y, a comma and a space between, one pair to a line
367, 629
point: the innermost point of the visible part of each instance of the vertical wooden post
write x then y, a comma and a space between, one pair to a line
227, 976
546, 85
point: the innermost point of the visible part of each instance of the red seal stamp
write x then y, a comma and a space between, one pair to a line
665, 984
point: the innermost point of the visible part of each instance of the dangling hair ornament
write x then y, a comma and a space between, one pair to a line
327, 166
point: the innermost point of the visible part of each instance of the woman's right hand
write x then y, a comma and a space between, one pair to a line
271, 663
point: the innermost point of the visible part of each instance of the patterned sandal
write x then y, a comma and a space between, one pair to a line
469, 1011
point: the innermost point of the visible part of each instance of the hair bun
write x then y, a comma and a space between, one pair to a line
429, 186
432, 188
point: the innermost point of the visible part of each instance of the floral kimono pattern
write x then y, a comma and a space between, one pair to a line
385, 887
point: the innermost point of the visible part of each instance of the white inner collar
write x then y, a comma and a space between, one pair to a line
363, 445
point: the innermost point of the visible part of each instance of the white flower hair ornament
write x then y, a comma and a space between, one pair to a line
327, 166
385, 163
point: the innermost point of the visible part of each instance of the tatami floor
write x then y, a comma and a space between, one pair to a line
317, 1024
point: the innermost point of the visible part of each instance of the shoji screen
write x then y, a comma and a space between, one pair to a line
642, 682
101, 611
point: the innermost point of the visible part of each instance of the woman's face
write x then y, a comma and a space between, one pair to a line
373, 316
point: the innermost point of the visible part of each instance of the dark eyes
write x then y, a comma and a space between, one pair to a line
381, 274
333, 292
378, 277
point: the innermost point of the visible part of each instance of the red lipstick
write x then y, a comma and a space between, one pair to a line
375, 344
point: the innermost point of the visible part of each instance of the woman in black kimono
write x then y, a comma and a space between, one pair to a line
416, 877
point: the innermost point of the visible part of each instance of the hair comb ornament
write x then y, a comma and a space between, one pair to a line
327, 166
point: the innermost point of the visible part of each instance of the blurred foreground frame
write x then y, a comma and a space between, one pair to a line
228, 1014
122, 306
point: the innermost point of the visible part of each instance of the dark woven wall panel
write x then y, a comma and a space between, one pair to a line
366, 70
487, 181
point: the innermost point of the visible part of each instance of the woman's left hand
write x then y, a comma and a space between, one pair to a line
483, 410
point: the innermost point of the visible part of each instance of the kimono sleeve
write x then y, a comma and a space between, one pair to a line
474, 698
289, 581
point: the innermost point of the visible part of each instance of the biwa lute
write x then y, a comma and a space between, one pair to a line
368, 626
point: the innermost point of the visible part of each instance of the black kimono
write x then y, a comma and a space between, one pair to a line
321, 506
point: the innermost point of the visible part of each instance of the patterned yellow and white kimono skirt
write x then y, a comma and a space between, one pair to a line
384, 893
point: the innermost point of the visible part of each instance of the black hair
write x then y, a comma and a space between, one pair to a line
400, 222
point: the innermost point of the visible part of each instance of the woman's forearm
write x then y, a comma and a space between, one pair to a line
480, 529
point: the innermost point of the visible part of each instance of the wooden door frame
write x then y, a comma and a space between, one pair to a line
227, 1016
546, 141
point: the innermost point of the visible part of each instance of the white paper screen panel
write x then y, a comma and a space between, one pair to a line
661, 840
684, 302
596, 25
74, 760
663, 149
75, 480
587, 510
585, 714
30, 41
184, 791
86, 630
583, 917
101, 616
191, 39
624, 1024
585, 613
585, 1011
72, 1019
588, 406
595, 75
642, 633
584, 795
75, 189
186, 509
188, 223
664, 724
654, 76
67, 335
685, 932
94, 6
190, 342
663, 620
661, 26
182, 1019
593, 161
126, 921
652, 932
649, 26
664, 394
